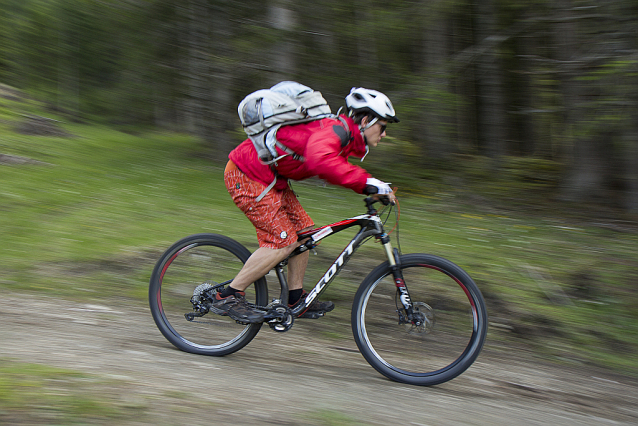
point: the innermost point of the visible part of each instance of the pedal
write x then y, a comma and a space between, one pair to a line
217, 311
312, 315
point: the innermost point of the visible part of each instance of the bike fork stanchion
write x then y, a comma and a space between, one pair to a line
397, 275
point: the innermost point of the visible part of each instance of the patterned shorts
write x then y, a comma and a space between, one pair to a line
277, 217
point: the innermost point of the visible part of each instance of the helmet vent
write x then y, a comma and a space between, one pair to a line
370, 101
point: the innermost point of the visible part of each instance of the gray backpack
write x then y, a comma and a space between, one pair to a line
263, 112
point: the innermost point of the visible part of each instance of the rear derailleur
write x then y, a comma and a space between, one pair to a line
202, 302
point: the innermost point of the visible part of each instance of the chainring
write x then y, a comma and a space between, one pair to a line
285, 320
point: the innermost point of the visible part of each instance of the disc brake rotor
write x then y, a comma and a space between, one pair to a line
423, 314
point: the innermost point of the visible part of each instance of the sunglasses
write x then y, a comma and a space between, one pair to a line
382, 126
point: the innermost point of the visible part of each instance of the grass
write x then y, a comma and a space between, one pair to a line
34, 394
328, 417
88, 221
39, 394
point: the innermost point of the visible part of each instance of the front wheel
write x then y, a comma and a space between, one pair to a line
187, 272
448, 327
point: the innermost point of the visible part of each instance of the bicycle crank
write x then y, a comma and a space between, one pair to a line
279, 318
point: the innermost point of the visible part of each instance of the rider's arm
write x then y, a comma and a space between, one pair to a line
323, 159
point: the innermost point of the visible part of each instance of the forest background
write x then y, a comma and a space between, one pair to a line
516, 154
529, 100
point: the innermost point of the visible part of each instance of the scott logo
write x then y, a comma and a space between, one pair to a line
403, 293
330, 273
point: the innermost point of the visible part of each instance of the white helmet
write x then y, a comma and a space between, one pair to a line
367, 100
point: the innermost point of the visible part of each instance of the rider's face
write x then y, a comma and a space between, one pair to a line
375, 132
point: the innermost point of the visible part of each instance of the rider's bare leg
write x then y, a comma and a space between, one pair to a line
296, 270
264, 259
259, 264
297, 267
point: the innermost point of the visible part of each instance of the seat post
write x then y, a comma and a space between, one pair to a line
281, 276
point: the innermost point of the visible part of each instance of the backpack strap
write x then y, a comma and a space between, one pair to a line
289, 151
268, 188
343, 132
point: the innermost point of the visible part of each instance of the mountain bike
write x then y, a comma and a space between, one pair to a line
416, 318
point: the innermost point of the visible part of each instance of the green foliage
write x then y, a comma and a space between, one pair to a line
87, 217
132, 64
329, 417
39, 394
536, 173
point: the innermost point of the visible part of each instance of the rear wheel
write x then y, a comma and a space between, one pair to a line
448, 328
197, 264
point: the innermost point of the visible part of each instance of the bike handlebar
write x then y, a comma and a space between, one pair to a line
376, 198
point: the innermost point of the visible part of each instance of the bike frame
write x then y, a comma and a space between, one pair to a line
370, 226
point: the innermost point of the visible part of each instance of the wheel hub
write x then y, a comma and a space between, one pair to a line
200, 294
423, 318
201, 301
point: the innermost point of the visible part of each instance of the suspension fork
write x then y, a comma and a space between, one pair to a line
397, 275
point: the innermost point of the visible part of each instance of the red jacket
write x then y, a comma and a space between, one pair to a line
320, 146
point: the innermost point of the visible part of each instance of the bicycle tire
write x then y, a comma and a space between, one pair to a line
455, 321
190, 262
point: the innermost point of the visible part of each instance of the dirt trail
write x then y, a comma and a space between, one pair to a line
122, 344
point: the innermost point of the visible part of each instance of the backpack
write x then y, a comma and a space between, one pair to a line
263, 112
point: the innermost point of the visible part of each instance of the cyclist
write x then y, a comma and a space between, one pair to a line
325, 146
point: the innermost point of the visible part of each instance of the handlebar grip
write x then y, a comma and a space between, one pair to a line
385, 200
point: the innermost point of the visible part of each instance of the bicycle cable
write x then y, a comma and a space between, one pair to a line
397, 215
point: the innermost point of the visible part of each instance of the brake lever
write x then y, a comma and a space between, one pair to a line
385, 200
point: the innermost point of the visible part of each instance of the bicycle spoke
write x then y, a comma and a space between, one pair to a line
446, 339
200, 264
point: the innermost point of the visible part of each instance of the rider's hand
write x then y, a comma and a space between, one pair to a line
386, 198
380, 190
380, 186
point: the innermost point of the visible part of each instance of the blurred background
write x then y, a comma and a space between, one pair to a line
516, 158
541, 94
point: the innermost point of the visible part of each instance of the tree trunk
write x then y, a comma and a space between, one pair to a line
631, 196
491, 103
366, 47
464, 88
221, 112
528, 134
585, 175
282, 18
196, 71
436, 112
631, 138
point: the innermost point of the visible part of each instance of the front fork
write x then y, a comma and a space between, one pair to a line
402, 290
